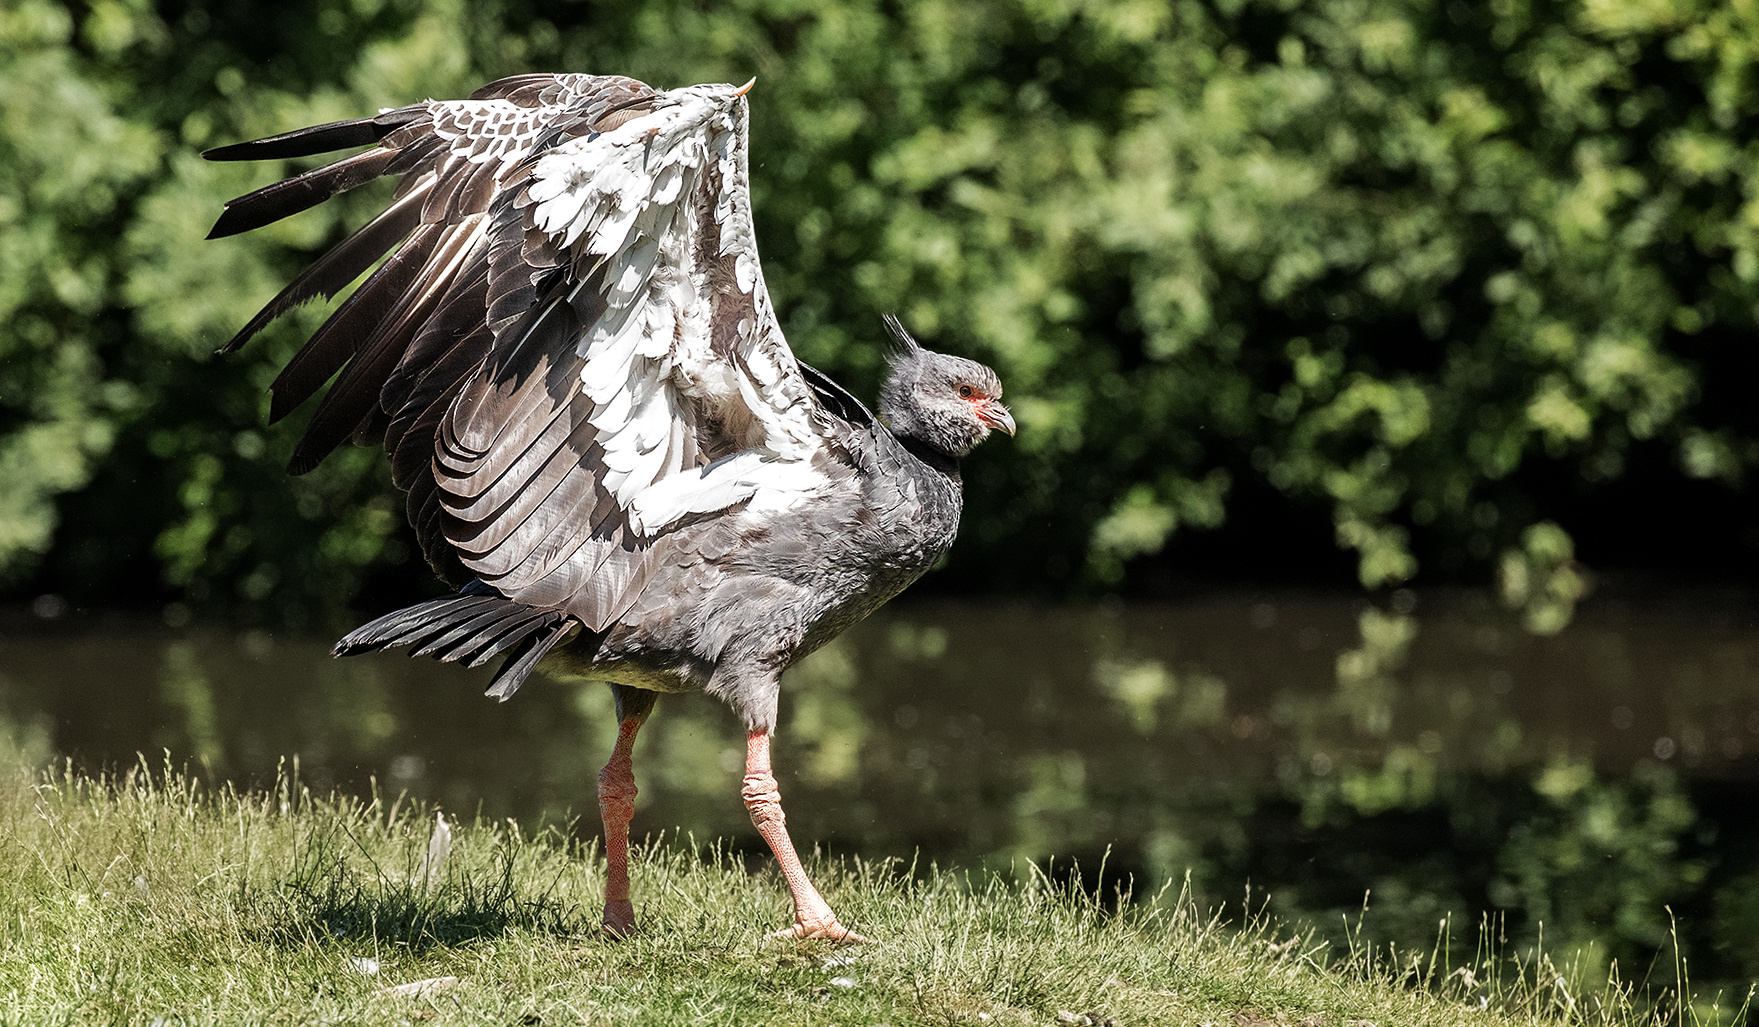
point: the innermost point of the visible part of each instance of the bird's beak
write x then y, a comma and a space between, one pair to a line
746, 88
996, 416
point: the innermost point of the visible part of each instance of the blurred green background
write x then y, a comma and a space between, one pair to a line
1388, 291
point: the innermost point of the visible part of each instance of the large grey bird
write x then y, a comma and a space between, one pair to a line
576, 369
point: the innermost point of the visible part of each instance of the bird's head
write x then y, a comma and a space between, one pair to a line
947, 402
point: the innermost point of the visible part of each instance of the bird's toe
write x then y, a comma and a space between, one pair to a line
829, 930
619, 920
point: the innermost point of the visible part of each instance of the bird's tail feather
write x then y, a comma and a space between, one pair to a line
470, 627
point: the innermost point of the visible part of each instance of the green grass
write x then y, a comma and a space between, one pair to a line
148, 898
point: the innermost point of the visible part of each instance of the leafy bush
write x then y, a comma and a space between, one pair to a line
1431, 271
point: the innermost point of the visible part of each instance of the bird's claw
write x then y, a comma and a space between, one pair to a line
822, 930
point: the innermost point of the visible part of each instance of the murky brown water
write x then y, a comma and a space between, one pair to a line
1310, 743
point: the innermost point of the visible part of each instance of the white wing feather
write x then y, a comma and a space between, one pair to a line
634, 199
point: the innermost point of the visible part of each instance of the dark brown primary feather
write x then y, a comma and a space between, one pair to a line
522, 388
409, 435
326, 138
425, 513
302, 192
340, 336
355, 395
333, 272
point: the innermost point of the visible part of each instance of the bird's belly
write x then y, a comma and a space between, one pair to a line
588, 663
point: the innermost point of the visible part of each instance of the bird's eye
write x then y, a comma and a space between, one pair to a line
964, 392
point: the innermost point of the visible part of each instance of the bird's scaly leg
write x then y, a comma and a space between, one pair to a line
812, 915
616, 808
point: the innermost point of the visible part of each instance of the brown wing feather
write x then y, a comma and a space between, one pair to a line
355, 396
339, 338
333, 272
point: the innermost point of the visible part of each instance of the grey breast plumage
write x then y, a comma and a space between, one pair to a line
573, 361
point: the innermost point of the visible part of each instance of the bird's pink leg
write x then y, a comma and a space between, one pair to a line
616, 808
812, 915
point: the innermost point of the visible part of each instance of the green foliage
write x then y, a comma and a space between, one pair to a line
1540, 578
1597, 852
1395, 261
70, 159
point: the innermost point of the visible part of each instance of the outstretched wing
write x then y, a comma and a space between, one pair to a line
572, 351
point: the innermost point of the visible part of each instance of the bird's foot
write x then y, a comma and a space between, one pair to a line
827, 929
619, 920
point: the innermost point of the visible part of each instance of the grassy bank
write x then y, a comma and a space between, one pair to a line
150, 899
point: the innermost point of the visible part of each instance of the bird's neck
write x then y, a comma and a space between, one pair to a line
930, 454
905, 421
905, 424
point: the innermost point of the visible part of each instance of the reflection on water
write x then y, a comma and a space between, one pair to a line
1312, 745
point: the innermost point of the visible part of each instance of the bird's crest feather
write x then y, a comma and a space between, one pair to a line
901, 348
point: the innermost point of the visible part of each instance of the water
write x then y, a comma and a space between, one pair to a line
1313, 746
